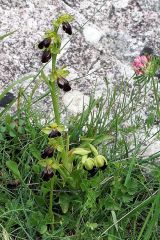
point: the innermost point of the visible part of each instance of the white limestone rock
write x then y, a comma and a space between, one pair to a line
92, 34
120, 3
152, 149
75, 101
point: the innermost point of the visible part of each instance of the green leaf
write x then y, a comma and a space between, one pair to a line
12, 133
42, 229
131, 166
64, 202
150, 120
35, 152
85, 139
36, 168
103, 139
114, 219
2, 129
13, 167
1, 137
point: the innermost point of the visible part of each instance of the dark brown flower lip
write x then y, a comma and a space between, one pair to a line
46, 56
47, 174
54, 133
103, 167
41, 45
92, 172
63, 84
48, 152
66, 88
67, 28
45, 43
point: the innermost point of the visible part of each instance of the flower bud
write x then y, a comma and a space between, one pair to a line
99, 161
48, 152
46, 56
47, 174
89, 163
54, 133
67, 28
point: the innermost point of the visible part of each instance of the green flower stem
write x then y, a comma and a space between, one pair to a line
156, 96
54, 92
51, 202
55, 102
56, 108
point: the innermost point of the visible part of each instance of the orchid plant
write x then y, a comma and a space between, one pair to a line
58, 159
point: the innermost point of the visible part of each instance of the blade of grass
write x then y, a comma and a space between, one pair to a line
133, 211
6, 35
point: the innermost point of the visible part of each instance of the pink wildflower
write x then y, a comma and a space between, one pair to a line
140, 63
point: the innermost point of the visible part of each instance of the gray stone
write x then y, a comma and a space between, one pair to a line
107, 35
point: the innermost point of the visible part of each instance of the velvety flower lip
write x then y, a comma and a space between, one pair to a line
45, 43
140, 64
48, 152
46, 56
63, 84
47, 174
54, 133
67, 28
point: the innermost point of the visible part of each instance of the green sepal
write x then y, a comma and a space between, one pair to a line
46, 162
60, 73
13, 167
100, 160
61, 19
54, 126
93, 149
56, 143
89, 163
